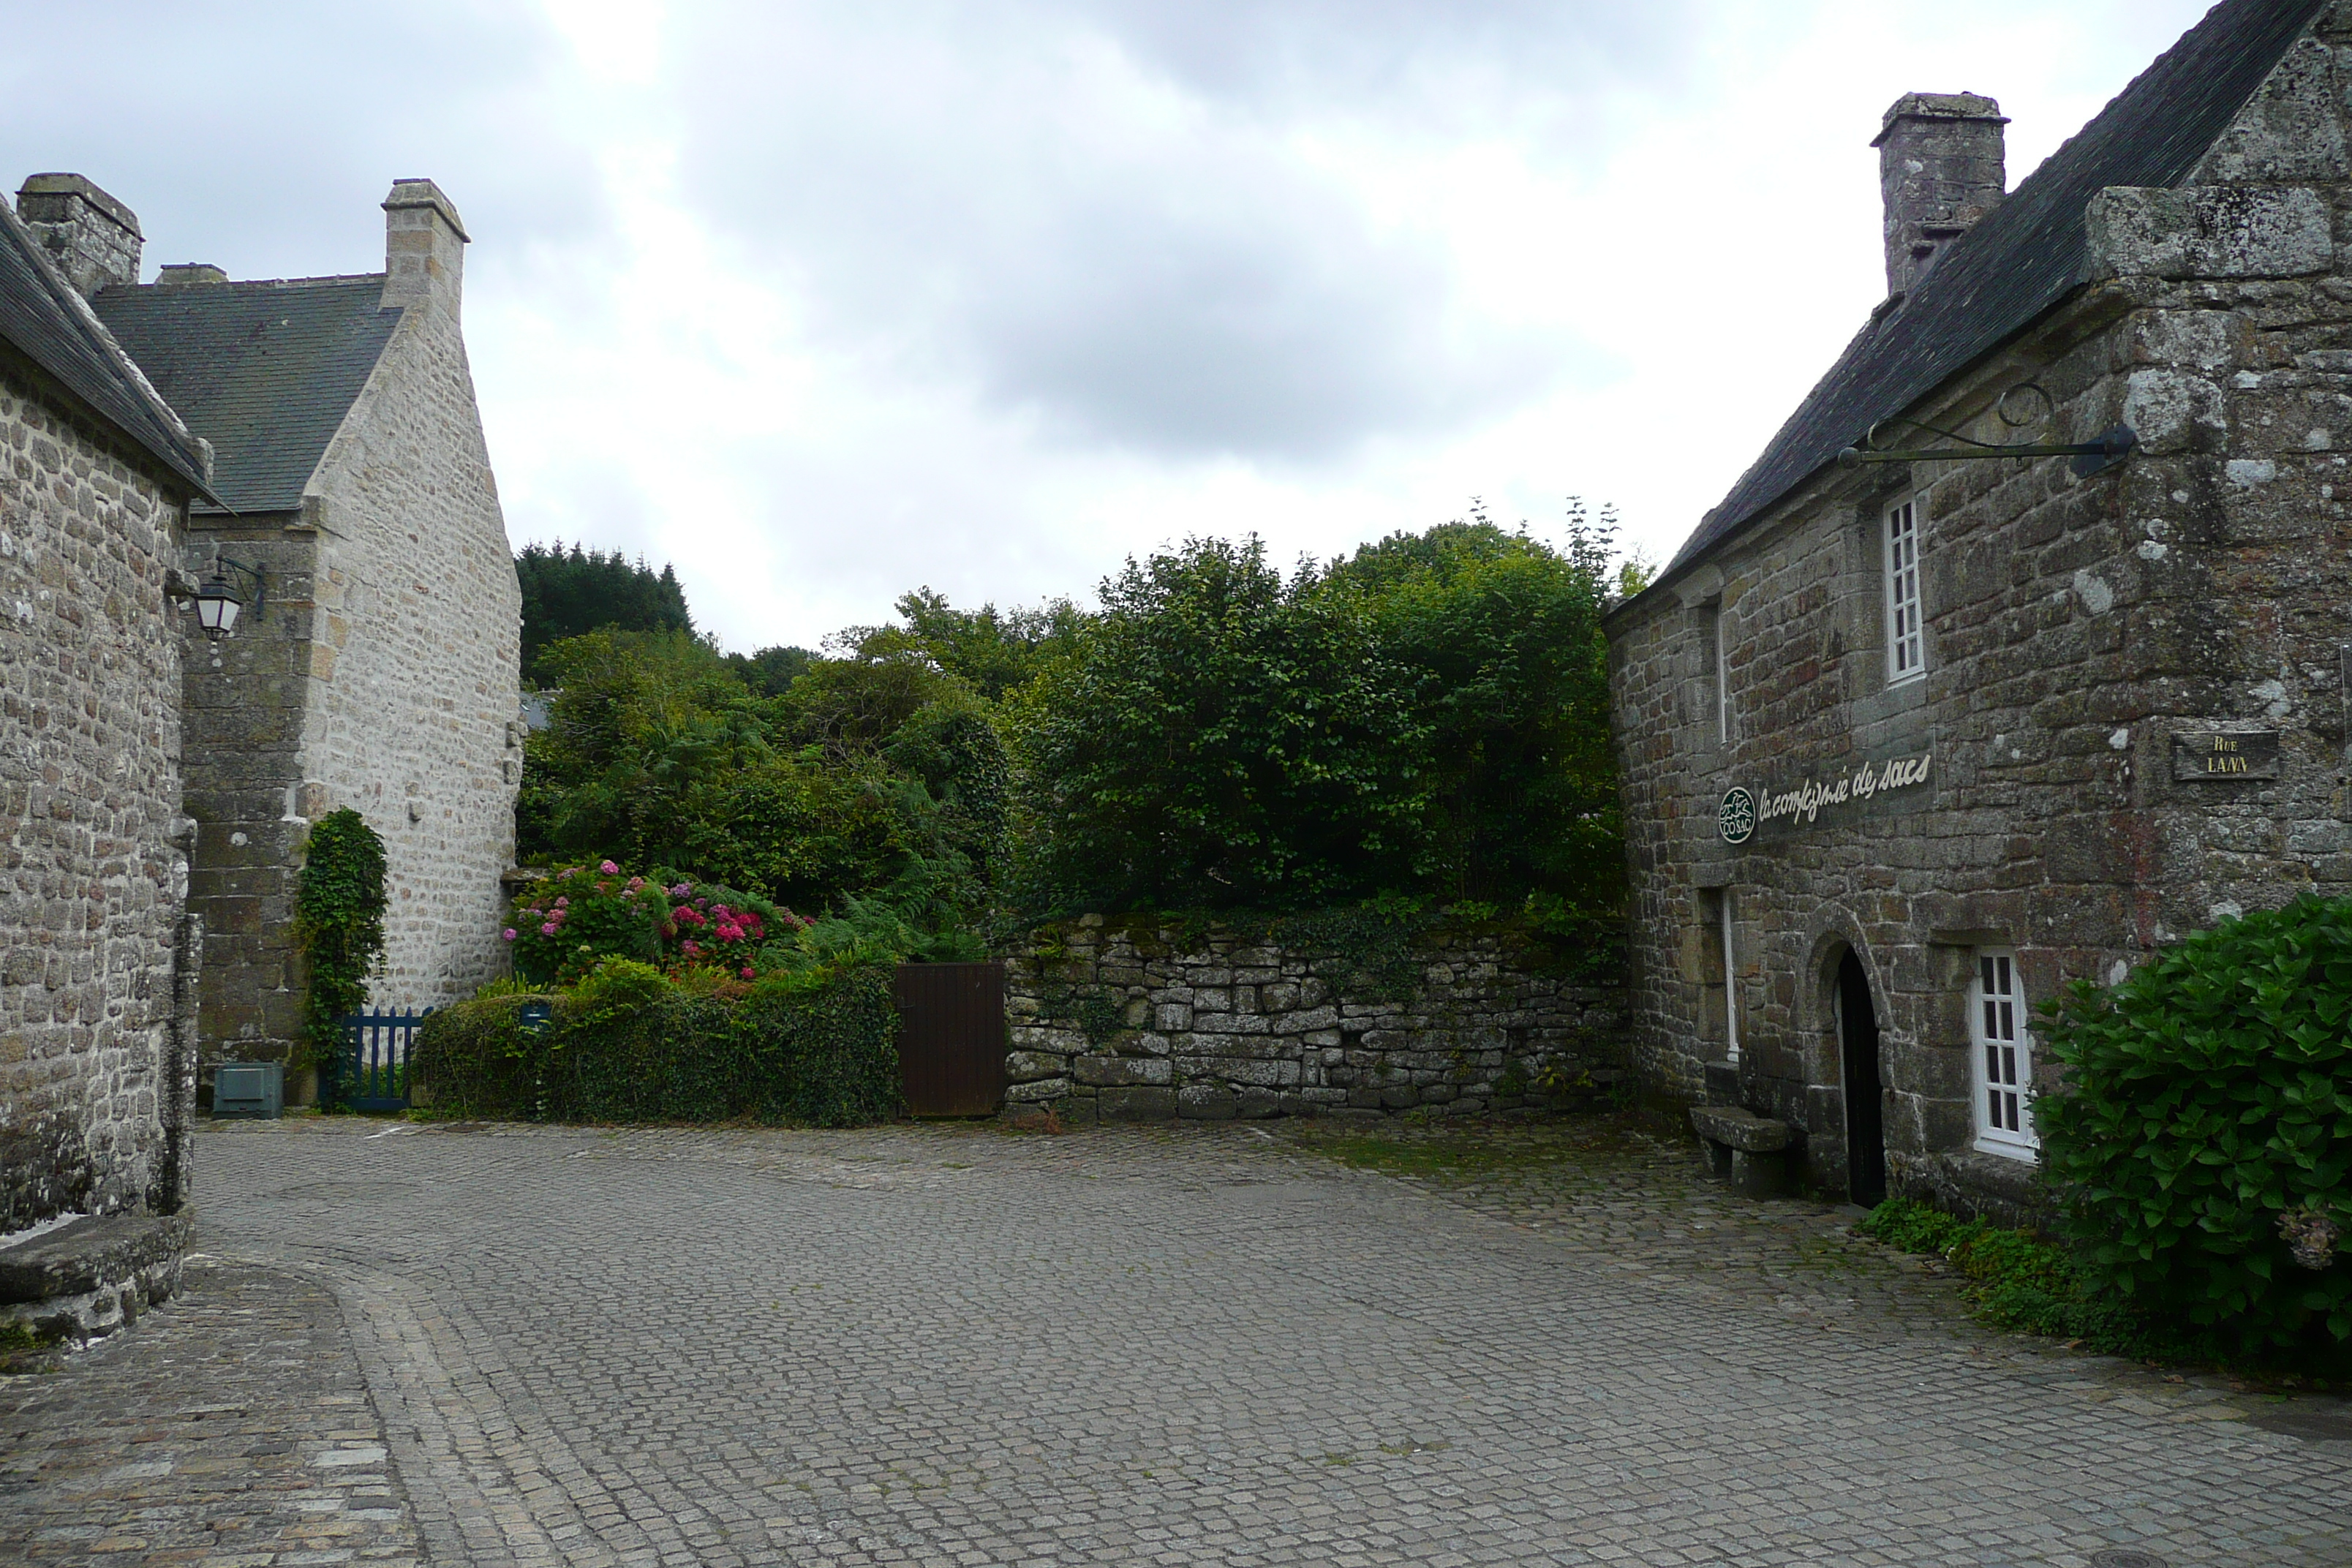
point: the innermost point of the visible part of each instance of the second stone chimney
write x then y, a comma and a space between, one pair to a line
424, 247
91, 239
1941, 168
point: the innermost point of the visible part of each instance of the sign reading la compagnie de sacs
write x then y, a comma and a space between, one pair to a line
1744, 811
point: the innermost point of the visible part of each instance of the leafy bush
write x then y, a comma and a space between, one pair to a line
569, 924
816, 1047
339, 907
2020, 1282
1428, 716
2204, 1145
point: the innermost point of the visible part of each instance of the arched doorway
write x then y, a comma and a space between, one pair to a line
1865, 1137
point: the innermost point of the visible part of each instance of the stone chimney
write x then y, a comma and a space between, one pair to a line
93, 239
1941, 168
188, 273
424, 247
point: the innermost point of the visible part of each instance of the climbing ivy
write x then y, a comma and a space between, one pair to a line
339, 905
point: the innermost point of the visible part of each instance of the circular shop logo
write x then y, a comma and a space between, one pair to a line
1736, 815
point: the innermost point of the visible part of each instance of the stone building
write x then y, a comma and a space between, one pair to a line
1914, 737
97, 956
375, 665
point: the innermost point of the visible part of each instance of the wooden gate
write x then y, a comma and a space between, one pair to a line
371, 1072
951, 1037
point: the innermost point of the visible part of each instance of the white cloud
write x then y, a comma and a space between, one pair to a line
822, 302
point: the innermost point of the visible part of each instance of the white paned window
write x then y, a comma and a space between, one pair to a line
1722, 677
1904, 658
1730, 980
2004, 1065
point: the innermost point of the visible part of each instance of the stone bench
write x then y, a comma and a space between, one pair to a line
1751, 1151
92, 1275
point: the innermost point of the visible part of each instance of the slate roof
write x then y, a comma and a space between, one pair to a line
264, 371
2025, 257
48, 323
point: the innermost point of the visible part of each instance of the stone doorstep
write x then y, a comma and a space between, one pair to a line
1739, 1129
94, 1276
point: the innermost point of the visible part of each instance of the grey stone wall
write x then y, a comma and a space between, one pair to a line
384, 677
413, 714
91, 868
2073, 629
1133, 1020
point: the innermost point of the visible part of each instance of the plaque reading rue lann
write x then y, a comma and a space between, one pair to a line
2226, 755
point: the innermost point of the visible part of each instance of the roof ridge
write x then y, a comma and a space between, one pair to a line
2022, 259
321, 281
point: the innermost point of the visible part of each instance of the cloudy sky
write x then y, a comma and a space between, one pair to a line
824, 301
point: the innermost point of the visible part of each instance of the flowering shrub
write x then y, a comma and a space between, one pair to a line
565, 924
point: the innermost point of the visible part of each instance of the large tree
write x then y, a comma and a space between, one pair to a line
566, 594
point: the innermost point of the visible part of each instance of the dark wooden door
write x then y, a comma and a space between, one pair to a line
1866, 1137
951, 1037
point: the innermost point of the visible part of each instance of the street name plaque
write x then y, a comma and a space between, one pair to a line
2226, 756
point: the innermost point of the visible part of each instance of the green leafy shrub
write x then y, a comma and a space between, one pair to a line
827, 1042
478, 1058
818, 1046
339, 907
2206, 1136
568, 923
2019, 1281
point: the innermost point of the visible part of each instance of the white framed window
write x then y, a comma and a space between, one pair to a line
1905, 654
1722, 676
2004, 1057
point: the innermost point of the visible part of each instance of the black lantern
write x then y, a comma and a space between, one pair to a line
219, 603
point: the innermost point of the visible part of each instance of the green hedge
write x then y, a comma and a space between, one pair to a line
815, 1048
2202, 1147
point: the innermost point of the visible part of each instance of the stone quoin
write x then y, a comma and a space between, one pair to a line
1910, 744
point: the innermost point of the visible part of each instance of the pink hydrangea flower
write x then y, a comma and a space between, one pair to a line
636, 882
547, 929
747, 972
511, 933
609, 869
561, 902
681, 889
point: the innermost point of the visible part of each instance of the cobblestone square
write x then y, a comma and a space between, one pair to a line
955, 1345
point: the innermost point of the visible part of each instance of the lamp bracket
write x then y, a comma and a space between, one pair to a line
2112, 447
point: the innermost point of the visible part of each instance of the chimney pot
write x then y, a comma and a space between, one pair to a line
424, 247
1941, 167
91, 239
181, 274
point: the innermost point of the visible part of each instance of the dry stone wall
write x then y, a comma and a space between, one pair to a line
91, 840
1141, 1021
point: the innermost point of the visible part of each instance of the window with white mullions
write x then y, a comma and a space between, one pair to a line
1905, 654
2004, 1066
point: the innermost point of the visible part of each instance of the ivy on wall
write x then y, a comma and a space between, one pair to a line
339, 907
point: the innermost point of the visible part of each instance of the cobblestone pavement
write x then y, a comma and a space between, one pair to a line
1213, 1345
231, 1427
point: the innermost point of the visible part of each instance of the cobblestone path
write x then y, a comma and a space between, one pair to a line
1213, 1345
232, 1426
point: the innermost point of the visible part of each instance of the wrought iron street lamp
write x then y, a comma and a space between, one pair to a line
219, 603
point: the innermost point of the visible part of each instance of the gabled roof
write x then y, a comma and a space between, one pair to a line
2025, 255
265, 372
49, 323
